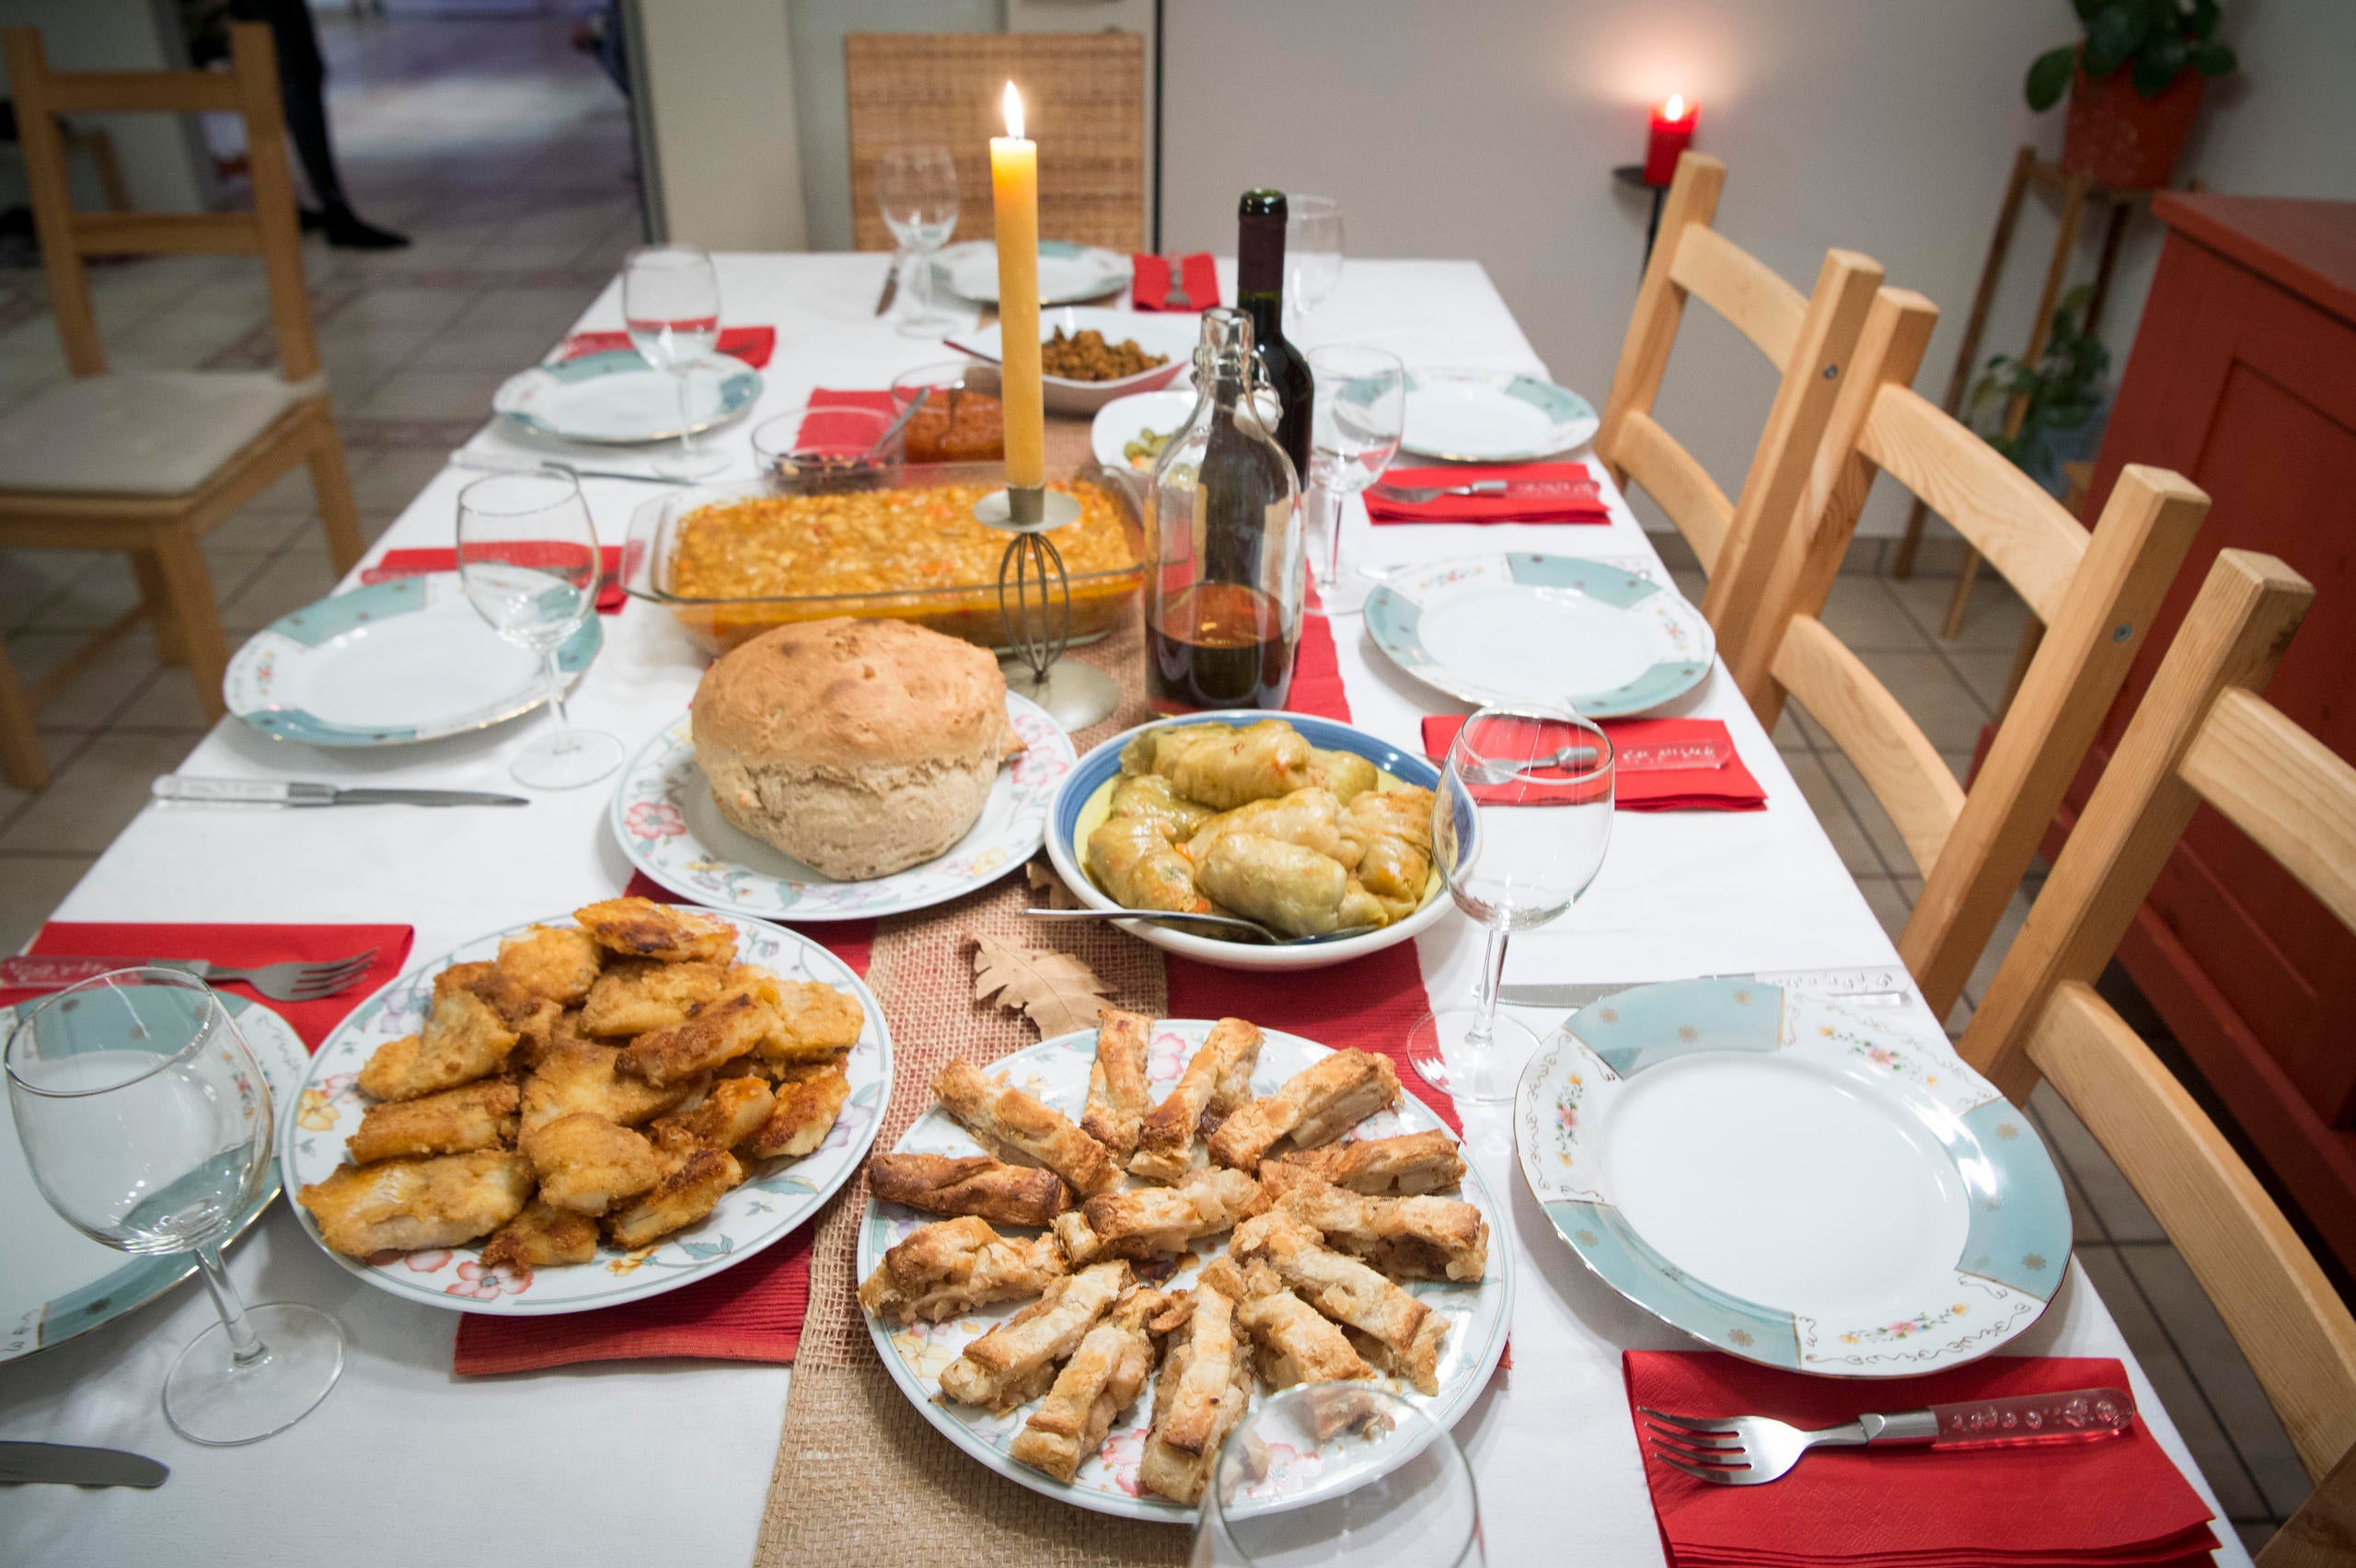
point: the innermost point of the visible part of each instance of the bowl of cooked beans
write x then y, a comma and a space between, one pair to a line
1088, 356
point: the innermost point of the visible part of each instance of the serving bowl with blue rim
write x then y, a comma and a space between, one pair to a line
1103, 764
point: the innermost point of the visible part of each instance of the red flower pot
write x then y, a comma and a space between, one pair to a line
2121, 139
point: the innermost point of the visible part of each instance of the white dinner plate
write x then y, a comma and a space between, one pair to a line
666, 823
57, 1283
1067, 272
1492, 416
778, 1197
1172, 338
616, 398
1121, 421
389, 662
1796, 1180
1056, 1071
1521, 627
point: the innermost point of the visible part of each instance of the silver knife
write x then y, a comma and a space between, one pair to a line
284, 792
60, 1462
1885, 984
461, 460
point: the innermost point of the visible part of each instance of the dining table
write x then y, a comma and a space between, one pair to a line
627, 1463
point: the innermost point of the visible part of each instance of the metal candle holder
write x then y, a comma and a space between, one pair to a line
1075, 696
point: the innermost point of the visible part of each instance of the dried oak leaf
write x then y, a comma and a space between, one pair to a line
1055, 990
1043, 878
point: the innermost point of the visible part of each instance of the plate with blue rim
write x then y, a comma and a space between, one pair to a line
1798, 1180
1068, 272
59, 1283
1520, 627
390, 663
616, 398
1492, 416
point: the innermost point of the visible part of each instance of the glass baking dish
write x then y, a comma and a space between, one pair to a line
968, 610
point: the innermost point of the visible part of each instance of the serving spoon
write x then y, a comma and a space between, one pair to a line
1267, 934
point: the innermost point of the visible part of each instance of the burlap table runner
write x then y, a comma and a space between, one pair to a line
861, 1477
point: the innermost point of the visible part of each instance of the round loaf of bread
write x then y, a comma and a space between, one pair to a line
859, 747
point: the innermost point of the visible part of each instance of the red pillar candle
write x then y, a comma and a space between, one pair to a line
1672, 132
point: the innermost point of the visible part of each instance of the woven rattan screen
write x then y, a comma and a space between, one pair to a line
1083, 93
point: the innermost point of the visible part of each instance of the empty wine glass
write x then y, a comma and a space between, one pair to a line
1312, 252
147, 1126
671, 305
528, 559
1519, 825
1360, 412
918, 187
1339, 1473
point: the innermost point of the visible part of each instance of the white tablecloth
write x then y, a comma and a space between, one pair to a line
628, 1464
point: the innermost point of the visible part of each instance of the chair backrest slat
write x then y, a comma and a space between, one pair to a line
164, 234
2283, 787
1740, 288
141, 92
1674, 478
1888, 748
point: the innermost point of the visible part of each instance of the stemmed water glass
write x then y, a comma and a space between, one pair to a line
1312, 252
147, 1126
528, 561
671, 305
1519, 827
1338, 1472
918, 187
1361, 413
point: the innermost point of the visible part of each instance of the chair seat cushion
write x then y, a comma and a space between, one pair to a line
139, 432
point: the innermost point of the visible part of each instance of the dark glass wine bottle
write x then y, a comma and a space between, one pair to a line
1260, 293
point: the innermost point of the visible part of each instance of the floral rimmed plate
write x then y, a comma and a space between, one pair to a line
777, 1198
616, 398
665, 823
1067, 272
1520, 627
1492, 416
58, 1283
1056, 1071
1792, 1180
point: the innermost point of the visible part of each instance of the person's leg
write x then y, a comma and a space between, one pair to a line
302, 75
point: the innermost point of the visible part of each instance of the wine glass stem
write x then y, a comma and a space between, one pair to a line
556, 687
686, 414
921, 285
246, 1348
1329, 515
1483, 1032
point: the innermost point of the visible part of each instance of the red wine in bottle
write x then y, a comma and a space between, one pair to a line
1217, 645
1260, 293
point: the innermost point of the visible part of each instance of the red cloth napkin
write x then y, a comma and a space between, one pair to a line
821, 430
240, 947
1150, 281
418, 562
752, 344
1661, 765
1537, 492
750, 1311
2119, 1500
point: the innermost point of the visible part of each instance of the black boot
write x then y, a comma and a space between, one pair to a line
345, 231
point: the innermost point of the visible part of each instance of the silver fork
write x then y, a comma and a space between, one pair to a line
293, 981
1415, 495
1267, 934
1175, 296
1752, 1450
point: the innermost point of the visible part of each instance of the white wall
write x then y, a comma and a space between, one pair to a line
716, 78
1487, 127
161, 154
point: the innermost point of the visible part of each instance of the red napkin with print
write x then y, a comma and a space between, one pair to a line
749, 1311
418, 562
2118, 1501
239, 947
1150, 281
1535, 493
1659, 765
752, 344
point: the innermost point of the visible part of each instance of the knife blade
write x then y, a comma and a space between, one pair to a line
291, 793
21, 1463
892, 282
1885, 984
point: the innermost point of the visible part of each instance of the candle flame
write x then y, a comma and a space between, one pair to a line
1014, 112
1673, 109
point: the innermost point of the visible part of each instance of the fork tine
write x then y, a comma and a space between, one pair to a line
1714, 1477
1716, 1428
357, 960
1702, 1442
1734, 1456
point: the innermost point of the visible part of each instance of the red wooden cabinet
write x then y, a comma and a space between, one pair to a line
2243, 378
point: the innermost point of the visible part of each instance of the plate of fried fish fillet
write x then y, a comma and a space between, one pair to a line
1084, 1264
587, 1110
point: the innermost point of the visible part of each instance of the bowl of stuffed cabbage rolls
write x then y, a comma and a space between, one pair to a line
1304, 825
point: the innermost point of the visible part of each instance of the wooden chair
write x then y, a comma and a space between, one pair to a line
2203, 734
146, 462
2097, 591
1809, 338
1083, 96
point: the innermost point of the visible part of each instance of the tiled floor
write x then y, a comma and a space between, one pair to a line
506, 157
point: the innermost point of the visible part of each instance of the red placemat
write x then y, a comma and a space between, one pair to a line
240, 947
752, 344
1662, 764
1150, 281
1536, 493
418, 562
2119, 1500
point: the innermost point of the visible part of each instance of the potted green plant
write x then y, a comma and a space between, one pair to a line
2134, 83
2062, 392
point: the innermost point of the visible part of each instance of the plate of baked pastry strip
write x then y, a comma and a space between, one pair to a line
1085, 1262
589, 1109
